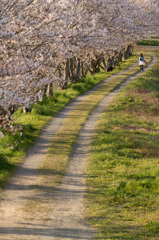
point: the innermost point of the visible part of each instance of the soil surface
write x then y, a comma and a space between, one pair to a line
65, 216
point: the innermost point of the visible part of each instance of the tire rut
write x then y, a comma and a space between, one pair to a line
66, 221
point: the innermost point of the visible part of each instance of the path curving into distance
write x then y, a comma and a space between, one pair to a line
66, 219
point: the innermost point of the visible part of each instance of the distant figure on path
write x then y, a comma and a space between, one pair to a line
142, 62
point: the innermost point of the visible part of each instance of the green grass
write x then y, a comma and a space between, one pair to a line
123, 168
149, 42
14, 147
154, 37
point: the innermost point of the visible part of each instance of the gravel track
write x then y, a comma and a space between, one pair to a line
66, 220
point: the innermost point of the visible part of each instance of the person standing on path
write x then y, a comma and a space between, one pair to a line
142, 62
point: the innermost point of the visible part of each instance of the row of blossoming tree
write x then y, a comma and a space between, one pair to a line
46, 42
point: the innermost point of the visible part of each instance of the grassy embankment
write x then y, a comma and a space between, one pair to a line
123, 169
13, 147
149, 42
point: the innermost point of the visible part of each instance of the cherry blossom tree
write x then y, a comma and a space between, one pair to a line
43, 42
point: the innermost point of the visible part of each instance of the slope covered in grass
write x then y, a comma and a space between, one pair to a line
149, 42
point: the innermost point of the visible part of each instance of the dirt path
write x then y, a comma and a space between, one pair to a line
66, 220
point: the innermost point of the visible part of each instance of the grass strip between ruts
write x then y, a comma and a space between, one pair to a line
55, 164
123, 167
14, 147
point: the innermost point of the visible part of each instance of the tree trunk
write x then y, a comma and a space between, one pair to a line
82, 70
109, 65
71, 70
67, 70
49, 90
78, 69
